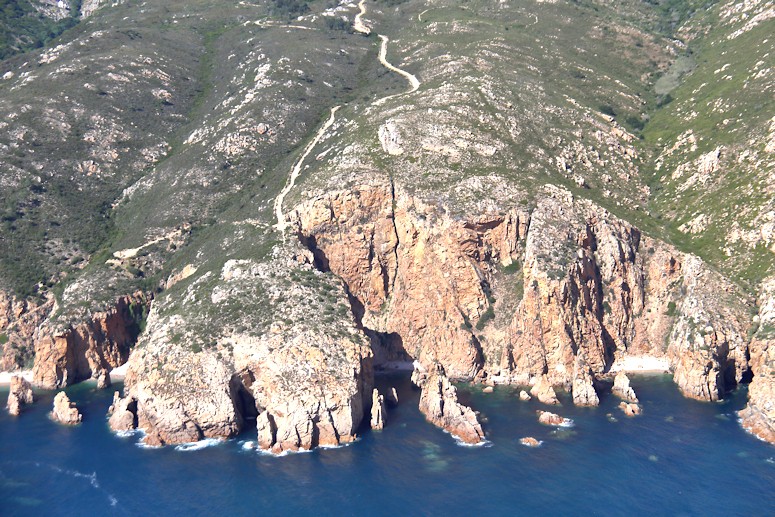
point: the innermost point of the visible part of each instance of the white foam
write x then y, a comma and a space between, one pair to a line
567, 422
201, 444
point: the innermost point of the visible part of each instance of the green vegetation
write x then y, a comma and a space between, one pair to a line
23, 28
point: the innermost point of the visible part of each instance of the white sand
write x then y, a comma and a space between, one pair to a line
642, 363
119, 373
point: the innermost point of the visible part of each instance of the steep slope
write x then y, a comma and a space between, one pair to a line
469, 191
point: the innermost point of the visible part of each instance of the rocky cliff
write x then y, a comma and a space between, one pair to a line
759, 416
19, 322
88, 349
307, 382
428, 285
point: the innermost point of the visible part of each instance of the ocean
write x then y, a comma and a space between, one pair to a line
680, 457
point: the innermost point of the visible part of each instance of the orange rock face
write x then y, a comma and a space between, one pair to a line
85, 350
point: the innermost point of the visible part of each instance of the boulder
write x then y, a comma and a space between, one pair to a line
547, 418
122, 413
19, 395
630, 409
524, 396
65, 411
583, 389
392, 397
103, 380
529, 441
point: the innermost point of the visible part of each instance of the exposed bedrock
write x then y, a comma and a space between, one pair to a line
19, 323
590, 285
91, 348
759, 416
19, 395
307, 383
439, 404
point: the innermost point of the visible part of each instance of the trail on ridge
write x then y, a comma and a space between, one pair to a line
278, 202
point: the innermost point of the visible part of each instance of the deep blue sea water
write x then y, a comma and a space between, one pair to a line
681, 457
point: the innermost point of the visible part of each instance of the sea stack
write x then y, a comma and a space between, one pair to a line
65, 411
20, 395
377, 410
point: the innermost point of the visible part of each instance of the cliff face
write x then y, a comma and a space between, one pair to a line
759, 416
307, 381
19, 322
418, 279
84, 350
593, 286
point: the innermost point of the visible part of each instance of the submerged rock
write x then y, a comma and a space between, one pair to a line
622, 388
377, 410
629, 408
65, 411
19, 395
439, 404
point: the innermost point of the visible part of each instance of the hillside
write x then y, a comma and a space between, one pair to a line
516, 192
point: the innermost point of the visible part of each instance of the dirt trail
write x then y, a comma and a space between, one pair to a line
278, 203
358, 24
361, 27
414, 83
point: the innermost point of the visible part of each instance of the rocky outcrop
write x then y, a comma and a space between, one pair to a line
544, 392
629, 408
622, 388
65, 411
377, 410
439, 404
20, 394
19, 322
758, 417
592, 286
415, 274
583, 389
708, 350
307, 382
547, 418
122, 413
529, 441
64, 356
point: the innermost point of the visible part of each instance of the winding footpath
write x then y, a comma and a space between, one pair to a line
414, 84
282, 223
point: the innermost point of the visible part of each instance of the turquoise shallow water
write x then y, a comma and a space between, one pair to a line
680, 457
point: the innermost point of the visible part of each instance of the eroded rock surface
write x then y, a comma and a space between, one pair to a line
758, 416
65, 411
19, 395
66, 355
377, 410
439, 404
